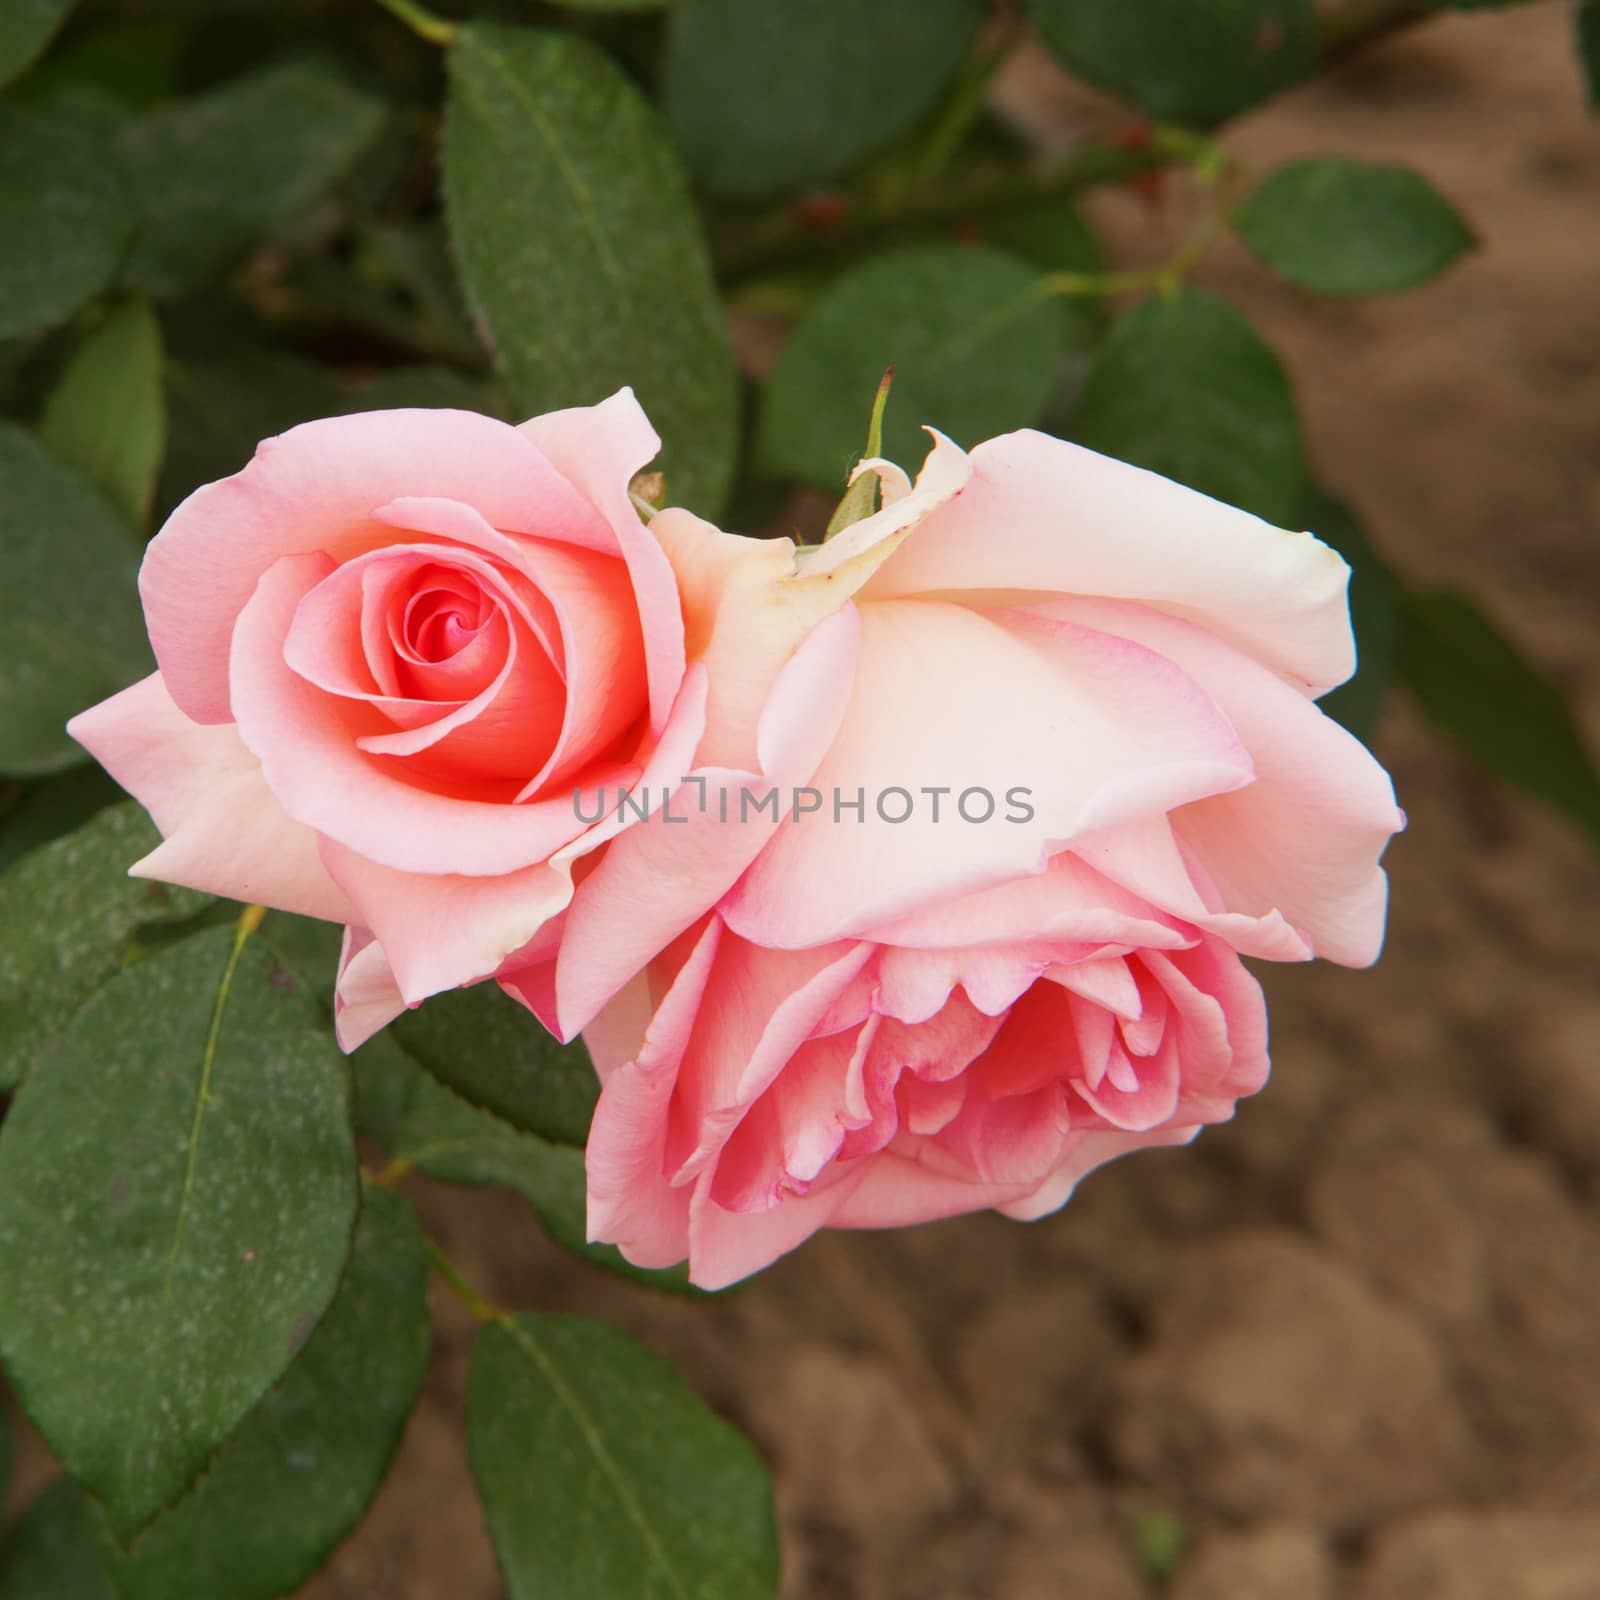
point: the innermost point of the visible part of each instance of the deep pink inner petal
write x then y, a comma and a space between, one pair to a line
440, 656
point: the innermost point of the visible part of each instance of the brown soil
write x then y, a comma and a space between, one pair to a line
1351, 1339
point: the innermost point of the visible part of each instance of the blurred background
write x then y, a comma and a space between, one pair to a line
1345, 1348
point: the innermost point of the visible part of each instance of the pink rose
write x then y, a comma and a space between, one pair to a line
884, 1021
390, 650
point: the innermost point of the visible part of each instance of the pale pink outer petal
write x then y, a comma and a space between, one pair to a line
440, 931
599, 449
366, 998
661, 875
315, 489
1097, 729
1069, 900
1305, 838
1146, 857
224, 831
1051, 517
748, 603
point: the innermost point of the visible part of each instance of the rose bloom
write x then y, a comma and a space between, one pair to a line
843, 1020
390, 649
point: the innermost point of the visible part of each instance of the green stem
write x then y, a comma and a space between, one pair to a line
754, 246
456, 1280
421, 21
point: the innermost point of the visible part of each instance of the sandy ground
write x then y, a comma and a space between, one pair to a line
1352, 1340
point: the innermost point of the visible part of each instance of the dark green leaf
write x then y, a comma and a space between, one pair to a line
177, 1188
221, 410
70, 631
1192, 61
765, 95
106, 416
51, 1553
64, 214
218, 172
1587, 22
1051, 235
1344, 227
447, 1138
33, 814
26, 27
1185, 387
136, 62
382, 1075
432, 387
1494, 702
580, 249
484, 1046
1374, 614
603, 1476
974, 339
303, 1468
5, 1453
78, 891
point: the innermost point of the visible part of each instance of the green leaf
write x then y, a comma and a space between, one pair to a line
177, 1189
50, 1554
1374, 614
603, 1475
1587, 22
1477, 686
64, 214
763, 95
136, 62
221, 410
488, 1049
974, 339
1182, 60
580, 249
78, 891
306, 1463
26, 27
1344, 227
429, 386
35, 813
1053, 237
220, 171
106, 416
444, 1136
70, 631
1185, 387
383, 1077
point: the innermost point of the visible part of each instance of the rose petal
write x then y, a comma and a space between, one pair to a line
224, 831
315, 489
366, 998
1051, 517
1092, 727
310, 761
599, 449
661, 875
1304, 839
631, 1204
